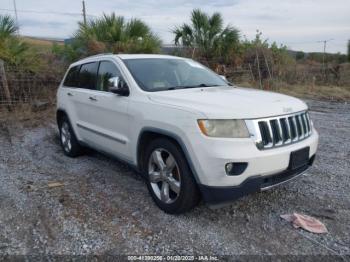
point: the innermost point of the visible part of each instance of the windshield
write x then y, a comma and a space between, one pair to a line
158, 74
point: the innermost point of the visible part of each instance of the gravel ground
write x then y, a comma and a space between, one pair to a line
104, 206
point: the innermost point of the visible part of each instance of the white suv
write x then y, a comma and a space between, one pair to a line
189, 132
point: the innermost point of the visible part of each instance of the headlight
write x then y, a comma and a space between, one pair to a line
224, 128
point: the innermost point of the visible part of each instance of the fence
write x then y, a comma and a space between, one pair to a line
262, 69
18, 86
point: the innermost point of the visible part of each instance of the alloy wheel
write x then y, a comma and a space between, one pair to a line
164, 175
66, 137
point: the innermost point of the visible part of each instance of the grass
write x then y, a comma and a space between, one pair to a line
40, 44
26, 114
329, 93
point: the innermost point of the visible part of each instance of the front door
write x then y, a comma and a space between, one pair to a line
104, 119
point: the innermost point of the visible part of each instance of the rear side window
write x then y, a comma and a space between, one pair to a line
72, 77
87, 76
106, 71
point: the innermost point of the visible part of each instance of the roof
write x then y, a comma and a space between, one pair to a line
122, 56
138, 56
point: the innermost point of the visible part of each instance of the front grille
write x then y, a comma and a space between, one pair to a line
283, 130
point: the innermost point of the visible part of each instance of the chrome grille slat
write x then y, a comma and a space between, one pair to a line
285, 130
271, 133
276, 132
281, 131
295, 128
299, 119
288, 130
303, 124
264, 133
306, 124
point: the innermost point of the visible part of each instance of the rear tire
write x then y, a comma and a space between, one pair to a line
68, 139
169, 178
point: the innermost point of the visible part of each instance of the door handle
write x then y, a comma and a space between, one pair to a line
69, 94
92, 98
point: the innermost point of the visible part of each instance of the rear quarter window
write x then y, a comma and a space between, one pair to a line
72, 78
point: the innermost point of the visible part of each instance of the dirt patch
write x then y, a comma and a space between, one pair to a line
104, 206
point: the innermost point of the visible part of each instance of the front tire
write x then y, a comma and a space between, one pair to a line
69, 141
169, 178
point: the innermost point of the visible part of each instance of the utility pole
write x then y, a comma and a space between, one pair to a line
15, 8
84, 12
324, 55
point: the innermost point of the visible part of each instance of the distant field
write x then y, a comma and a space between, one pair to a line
41, 44
332, 93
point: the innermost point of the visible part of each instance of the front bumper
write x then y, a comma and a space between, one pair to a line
214, 195
210, 155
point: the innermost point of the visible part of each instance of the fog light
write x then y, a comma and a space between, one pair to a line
229, 168
235, 169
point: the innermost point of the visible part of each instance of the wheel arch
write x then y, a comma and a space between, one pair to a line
60, 113
147, 134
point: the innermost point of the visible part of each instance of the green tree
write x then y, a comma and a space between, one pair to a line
7, 27
349, 50
110, 33
208, 35
12, 49
256, 43
300, 55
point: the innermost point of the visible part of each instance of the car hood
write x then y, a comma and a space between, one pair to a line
230, 102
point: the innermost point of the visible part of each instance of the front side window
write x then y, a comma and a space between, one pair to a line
72, 77
158, 74
106, 71
87, 76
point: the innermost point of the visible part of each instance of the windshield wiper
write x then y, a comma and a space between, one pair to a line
194, 86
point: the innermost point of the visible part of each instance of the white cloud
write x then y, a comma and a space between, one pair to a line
297, 23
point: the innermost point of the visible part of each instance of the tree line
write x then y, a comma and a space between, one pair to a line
205, 38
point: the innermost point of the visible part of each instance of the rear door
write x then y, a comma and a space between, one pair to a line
68, 94
103, 116
82, 96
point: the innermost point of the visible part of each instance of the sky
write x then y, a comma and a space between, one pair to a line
299, 24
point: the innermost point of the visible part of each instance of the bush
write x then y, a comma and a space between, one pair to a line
109, 33
13, 50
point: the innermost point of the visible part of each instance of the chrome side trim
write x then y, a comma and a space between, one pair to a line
102, 134
285, 181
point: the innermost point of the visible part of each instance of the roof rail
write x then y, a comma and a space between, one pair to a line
102, 54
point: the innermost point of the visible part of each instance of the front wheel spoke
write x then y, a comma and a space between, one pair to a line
158, 160
170, 163
174, 185
154, 177
164, 192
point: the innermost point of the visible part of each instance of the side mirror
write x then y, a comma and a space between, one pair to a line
118, 86
223, 77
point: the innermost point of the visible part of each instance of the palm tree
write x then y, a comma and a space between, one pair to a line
7, 27
207, 34
13, 50
112, 33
